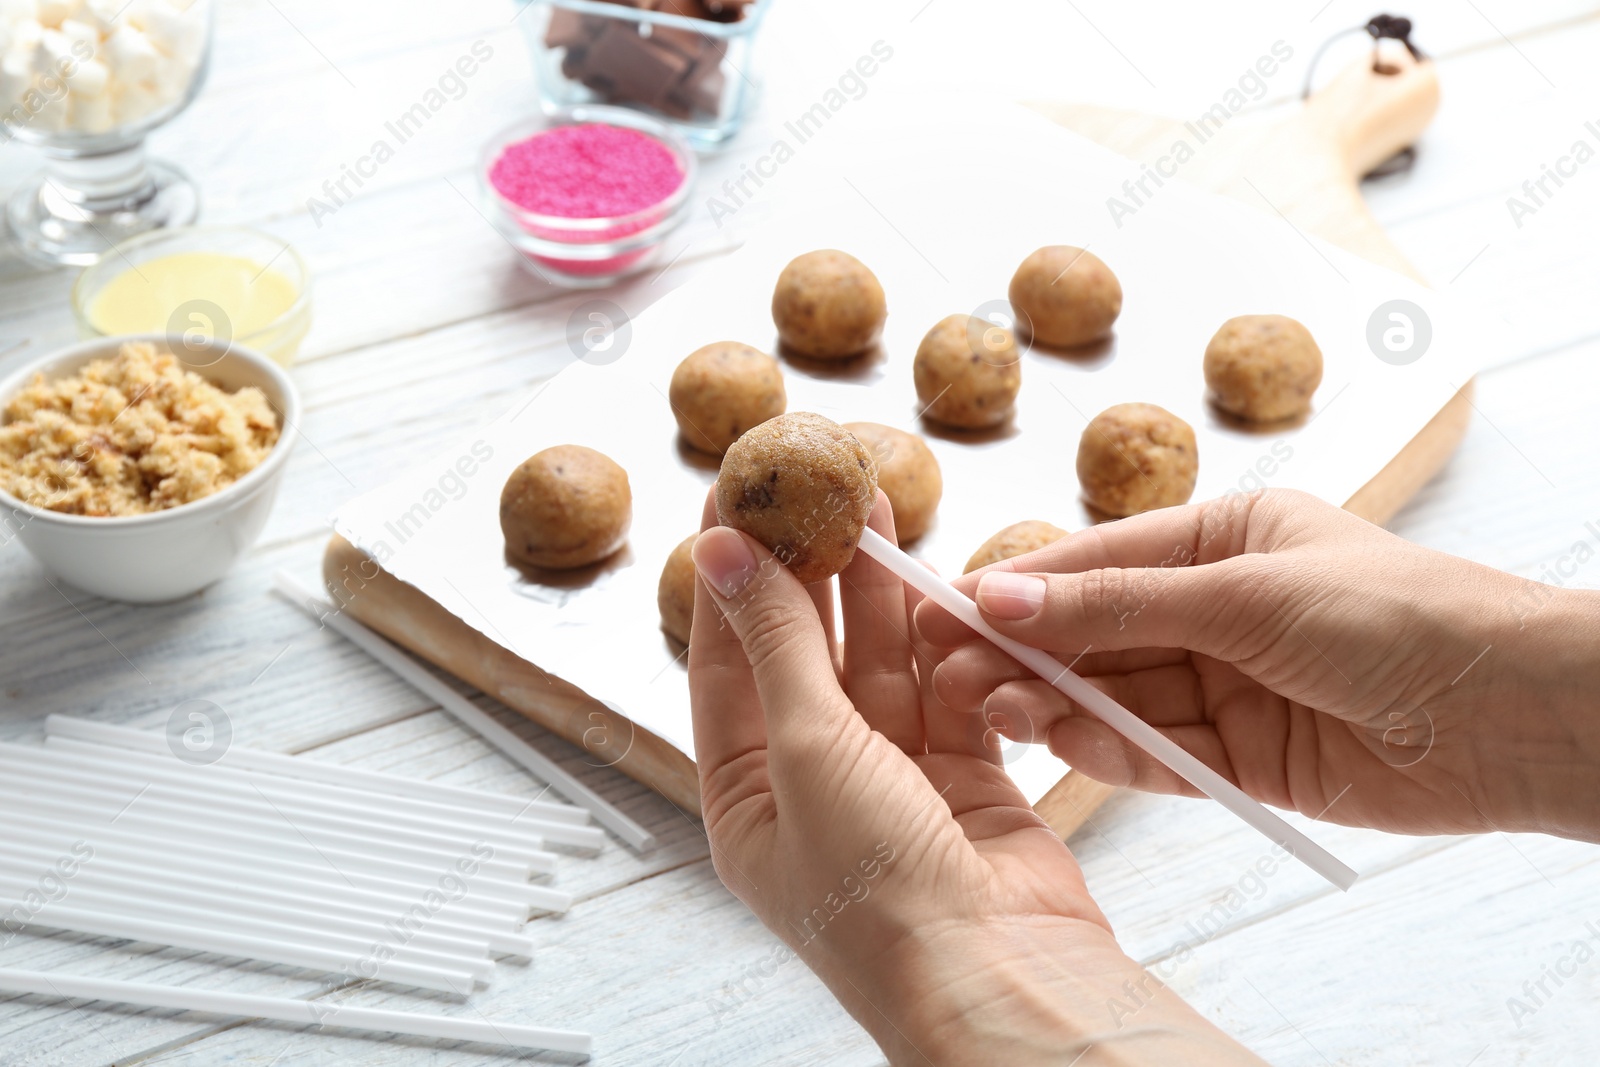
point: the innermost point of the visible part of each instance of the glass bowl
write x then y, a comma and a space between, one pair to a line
225, 283
692, 72
96, 88
588, 253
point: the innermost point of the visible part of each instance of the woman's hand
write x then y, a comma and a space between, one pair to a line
874, 830
1319, 662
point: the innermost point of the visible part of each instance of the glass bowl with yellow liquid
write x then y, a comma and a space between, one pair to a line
201, 283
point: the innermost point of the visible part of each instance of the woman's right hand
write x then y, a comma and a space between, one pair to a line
1321, 663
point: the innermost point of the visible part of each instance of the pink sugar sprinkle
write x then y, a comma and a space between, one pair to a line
586, 172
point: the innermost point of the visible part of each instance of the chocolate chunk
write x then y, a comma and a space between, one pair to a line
632, 67
566, 28
675, 70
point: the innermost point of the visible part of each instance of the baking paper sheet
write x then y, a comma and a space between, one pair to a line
944, 229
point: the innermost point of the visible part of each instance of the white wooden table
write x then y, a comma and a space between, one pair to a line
425, 326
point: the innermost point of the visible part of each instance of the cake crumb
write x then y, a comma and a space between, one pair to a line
129, 435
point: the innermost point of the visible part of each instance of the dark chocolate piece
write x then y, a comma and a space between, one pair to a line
675, 70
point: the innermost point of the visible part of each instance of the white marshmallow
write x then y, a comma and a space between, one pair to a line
88, 79
172, 31
131, 56
91, 114
76, 31
49, 111
105, 15
16, 76
25, 37
136, 102
53, 54
53, 12
138, 12
18, 10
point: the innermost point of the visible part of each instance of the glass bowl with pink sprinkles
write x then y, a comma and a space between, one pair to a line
587, 194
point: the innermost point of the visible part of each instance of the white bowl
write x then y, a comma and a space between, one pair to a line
164, 555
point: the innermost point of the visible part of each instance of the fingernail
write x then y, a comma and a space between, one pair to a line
1010, 596
723, 560
1001, 711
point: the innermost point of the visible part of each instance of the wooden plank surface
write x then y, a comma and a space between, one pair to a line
424, 322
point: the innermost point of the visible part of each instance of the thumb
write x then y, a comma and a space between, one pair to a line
1199, 608
777, 624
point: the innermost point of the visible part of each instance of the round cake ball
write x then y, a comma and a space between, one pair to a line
722, 390
968, 373
828, 305
907, 473
1263, 368
1065, 297
1137, 457
1018, 539
565, 507
675, 593
803, 486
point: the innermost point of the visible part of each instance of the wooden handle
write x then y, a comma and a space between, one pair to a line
1307, 167
1366, 116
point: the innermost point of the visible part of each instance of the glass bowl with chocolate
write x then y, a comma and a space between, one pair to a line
686, 61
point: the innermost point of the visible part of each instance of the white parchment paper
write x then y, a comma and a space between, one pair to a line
942, 211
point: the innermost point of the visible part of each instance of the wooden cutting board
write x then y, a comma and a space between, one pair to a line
1306, 168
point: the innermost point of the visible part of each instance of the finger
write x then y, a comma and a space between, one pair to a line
967, 676
822, 596
1162, 697
725, 706
1204, 609
926, 657
963, 733
1032, 711
1168, 538
783, 639
879, 672
1090, 746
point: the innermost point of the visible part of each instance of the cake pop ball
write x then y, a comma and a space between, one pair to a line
565, 507
723, 389
1018, 539
828, 305
1263, 368
1137, 457
675, 591
1065, 297
907, 473
803, 486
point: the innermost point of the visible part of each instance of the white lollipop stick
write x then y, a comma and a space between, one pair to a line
170, 778
319, 879
355, 944
471, 716
37, 792
283, 1009
412, 793
117, 894
347, 904
171, 835
1114, 715
291, 794
61, 915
